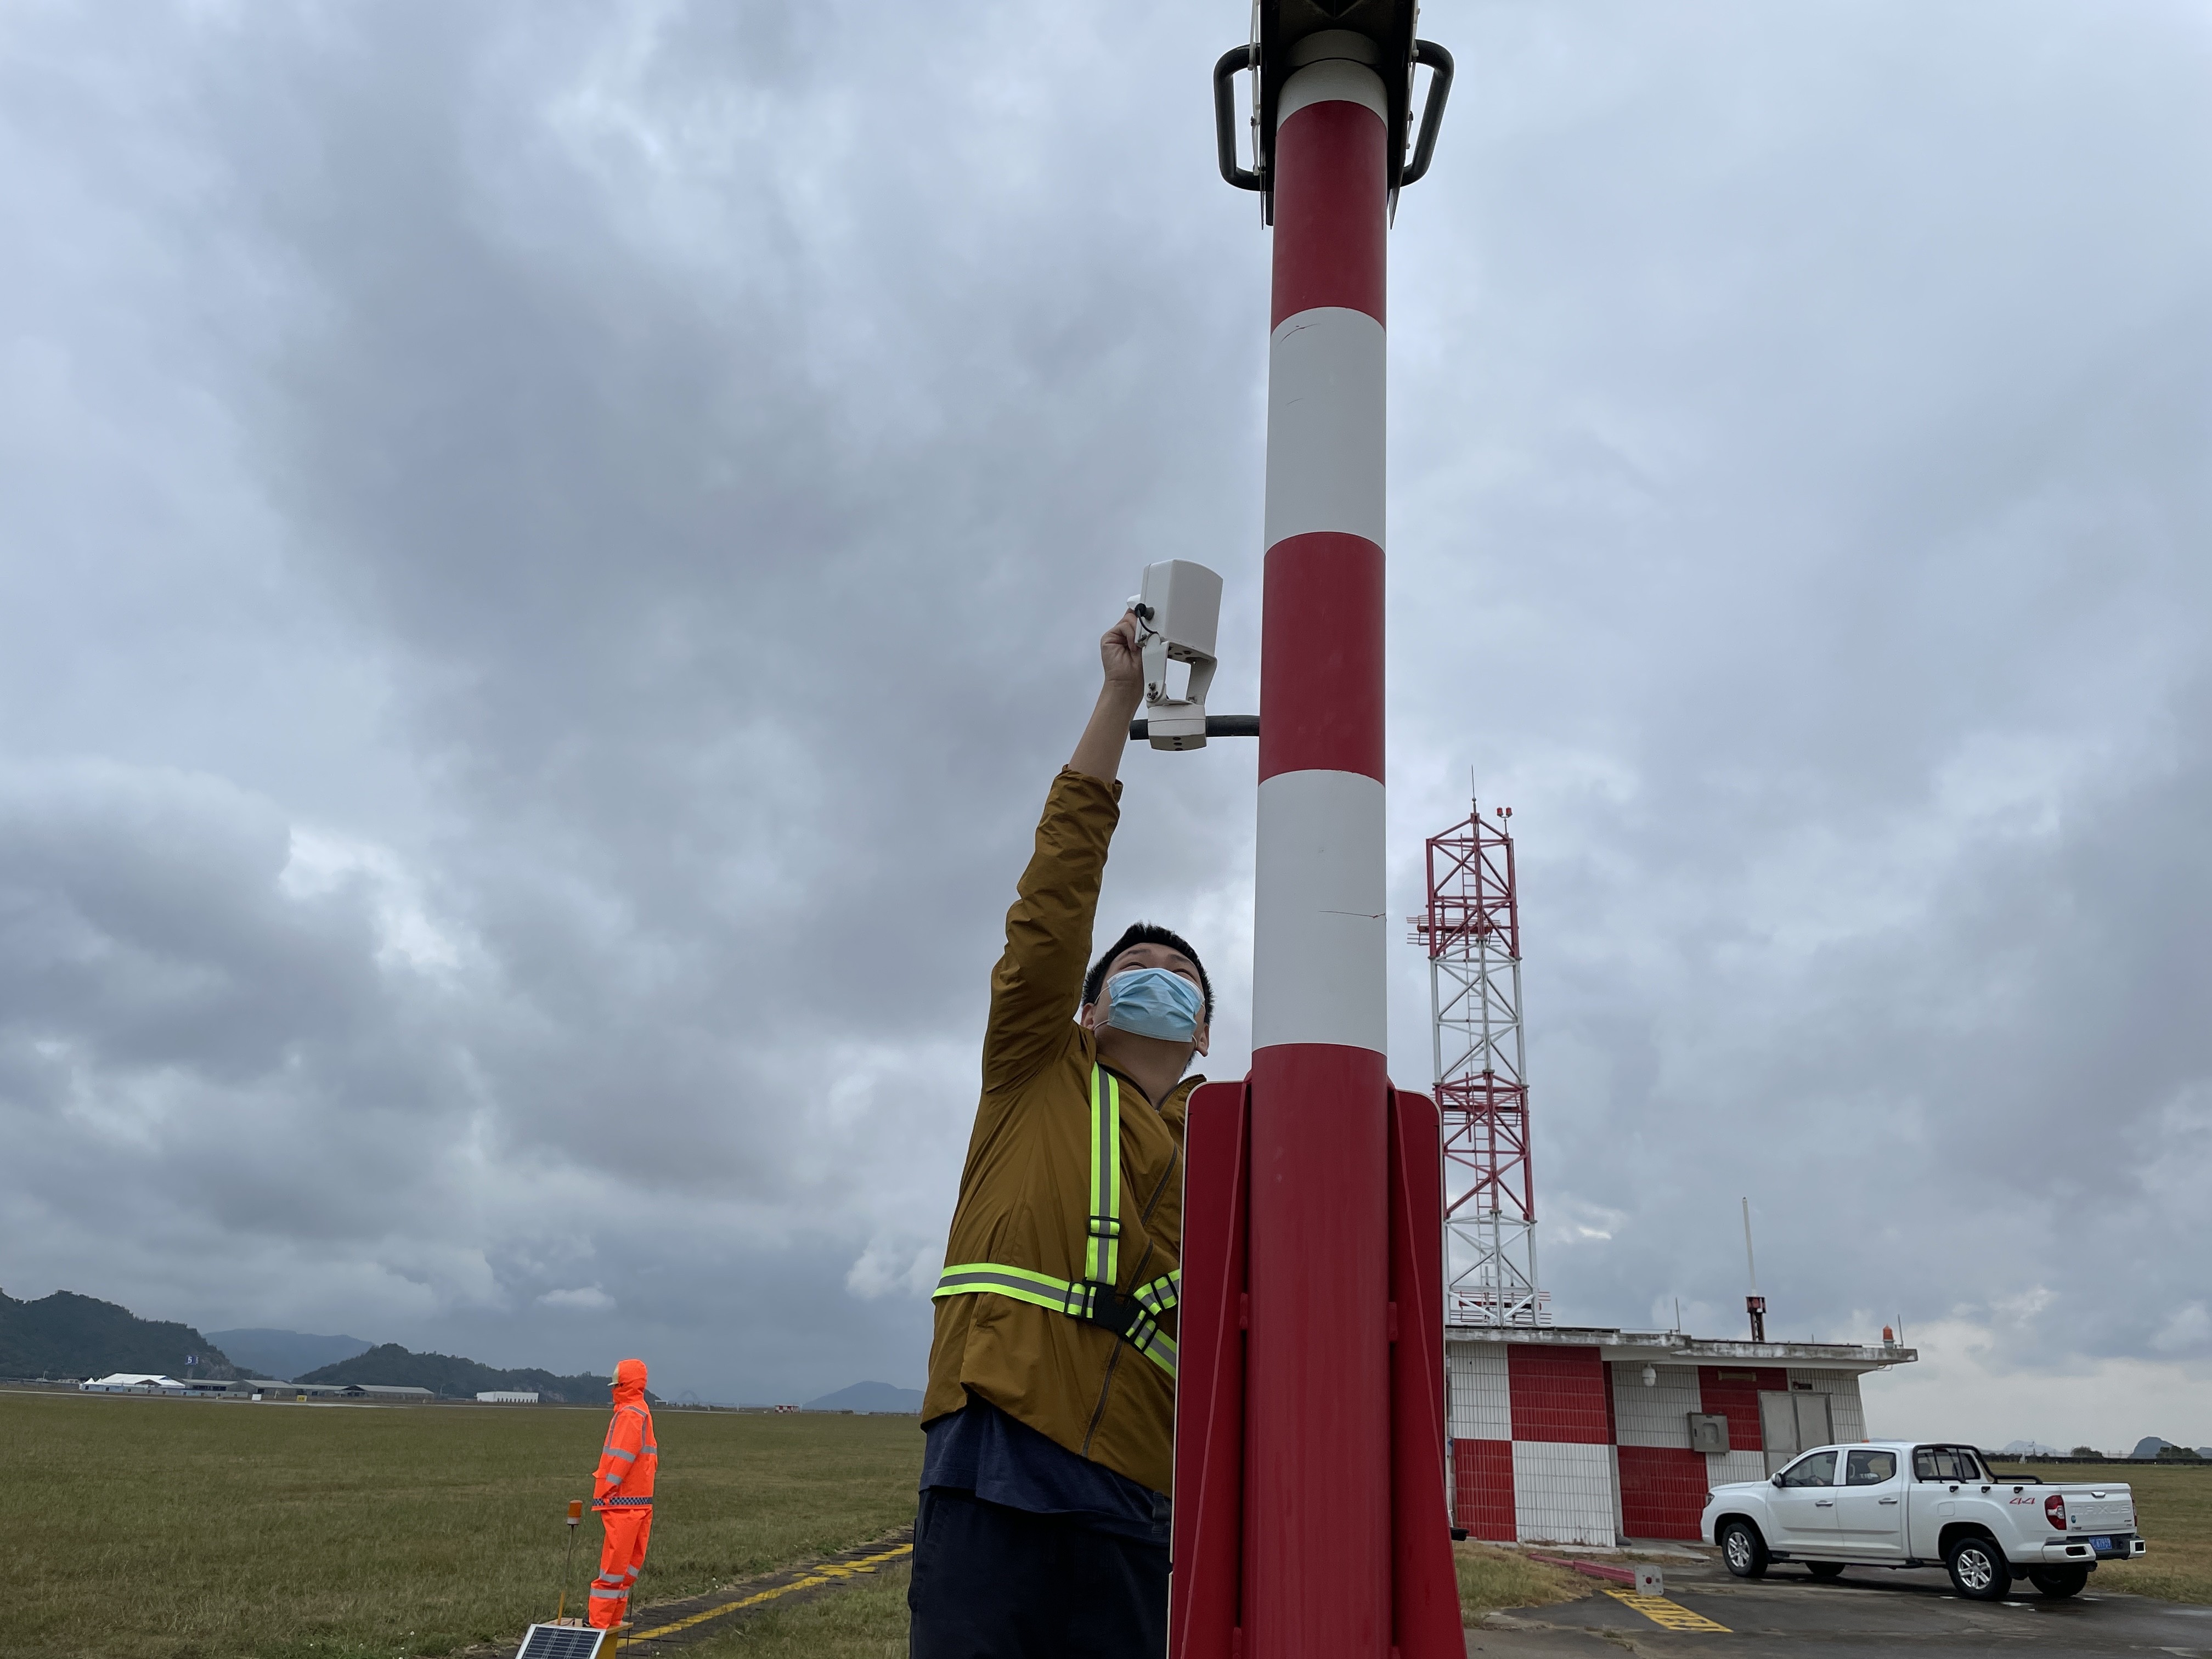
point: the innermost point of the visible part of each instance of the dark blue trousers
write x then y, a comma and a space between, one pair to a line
993, 1583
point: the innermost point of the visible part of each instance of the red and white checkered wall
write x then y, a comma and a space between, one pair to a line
1551, 1444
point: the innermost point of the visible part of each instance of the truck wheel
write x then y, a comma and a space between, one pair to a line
1824, 1569
1743, 1549
1978, 1570
2059, 1583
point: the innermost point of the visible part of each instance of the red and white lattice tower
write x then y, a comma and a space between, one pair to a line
1472, 932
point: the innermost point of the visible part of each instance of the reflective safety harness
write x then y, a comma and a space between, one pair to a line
1133, 1315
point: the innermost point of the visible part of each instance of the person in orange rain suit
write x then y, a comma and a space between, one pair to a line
622, 1494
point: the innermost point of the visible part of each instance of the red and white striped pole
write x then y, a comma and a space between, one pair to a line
1318, 1402
1310, 1512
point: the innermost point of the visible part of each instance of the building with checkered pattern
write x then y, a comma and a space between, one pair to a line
1575, 1435
1558, 1434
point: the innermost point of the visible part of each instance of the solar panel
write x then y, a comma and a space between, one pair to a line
560, 1642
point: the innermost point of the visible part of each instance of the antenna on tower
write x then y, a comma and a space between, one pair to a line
1755, 1305
1472, 932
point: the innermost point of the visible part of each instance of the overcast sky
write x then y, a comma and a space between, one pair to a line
548, 554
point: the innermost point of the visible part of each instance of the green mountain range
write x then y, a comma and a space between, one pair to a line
393, 1366
69, 1335
262, 1350
868, 1397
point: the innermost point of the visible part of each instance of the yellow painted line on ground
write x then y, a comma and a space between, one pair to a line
828, 1573
1668, 1615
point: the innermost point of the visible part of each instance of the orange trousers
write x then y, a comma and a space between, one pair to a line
620, 1557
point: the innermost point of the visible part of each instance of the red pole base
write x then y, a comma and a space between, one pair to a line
1208, 1616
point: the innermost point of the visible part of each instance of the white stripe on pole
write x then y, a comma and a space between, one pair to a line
1326, 434
1319, 950
1332, 80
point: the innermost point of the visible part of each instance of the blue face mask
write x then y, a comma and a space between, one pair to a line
1154, 1003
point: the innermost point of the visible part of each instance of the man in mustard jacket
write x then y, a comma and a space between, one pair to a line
1050, 1412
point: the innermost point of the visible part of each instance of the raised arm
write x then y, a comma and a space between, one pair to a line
1037, 987
1098, 751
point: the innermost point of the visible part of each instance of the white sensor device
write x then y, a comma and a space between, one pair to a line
1178, 613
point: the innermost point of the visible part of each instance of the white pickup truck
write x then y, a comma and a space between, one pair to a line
1895, 1503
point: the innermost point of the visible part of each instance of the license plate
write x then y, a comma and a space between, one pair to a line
2102, 1545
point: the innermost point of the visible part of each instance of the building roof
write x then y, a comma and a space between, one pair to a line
1677, 1348
355, 1390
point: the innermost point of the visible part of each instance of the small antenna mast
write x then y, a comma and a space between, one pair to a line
1755, 1305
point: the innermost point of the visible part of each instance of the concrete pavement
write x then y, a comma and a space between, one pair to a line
1867, 1614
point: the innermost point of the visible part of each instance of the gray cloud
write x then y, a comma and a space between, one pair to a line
1841, 642
549, 553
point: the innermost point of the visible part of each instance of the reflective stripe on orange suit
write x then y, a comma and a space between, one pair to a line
628, 1461
620, 1557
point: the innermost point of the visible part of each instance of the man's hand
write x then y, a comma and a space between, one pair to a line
1099, 753
1123, 661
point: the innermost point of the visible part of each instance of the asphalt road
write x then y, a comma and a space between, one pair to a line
1869, 1612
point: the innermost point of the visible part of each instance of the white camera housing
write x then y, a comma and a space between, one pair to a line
1178, 614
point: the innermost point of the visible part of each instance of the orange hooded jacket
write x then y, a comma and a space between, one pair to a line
629, 1460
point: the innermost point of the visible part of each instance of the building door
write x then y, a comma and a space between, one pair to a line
1816, 1427
1791, 1423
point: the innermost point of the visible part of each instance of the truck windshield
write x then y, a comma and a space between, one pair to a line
1946, 1463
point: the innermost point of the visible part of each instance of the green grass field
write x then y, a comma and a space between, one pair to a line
867, 1621
179, 1529
1491, 1578
187, 1529
2173, 1509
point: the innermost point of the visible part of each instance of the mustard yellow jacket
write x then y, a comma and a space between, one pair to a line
1024, 1192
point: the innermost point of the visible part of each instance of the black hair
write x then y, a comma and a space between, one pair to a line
1145, 932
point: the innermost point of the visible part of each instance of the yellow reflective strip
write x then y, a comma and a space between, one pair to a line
1039, 1290
1091, 1182
1055, 1295
1112, 1151
1100, 1264
1160, 1350
1160, 1295
999, 1269
1019, 1292
1668, 1615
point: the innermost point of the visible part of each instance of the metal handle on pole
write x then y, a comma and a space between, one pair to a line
1225, 69
1432, 113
